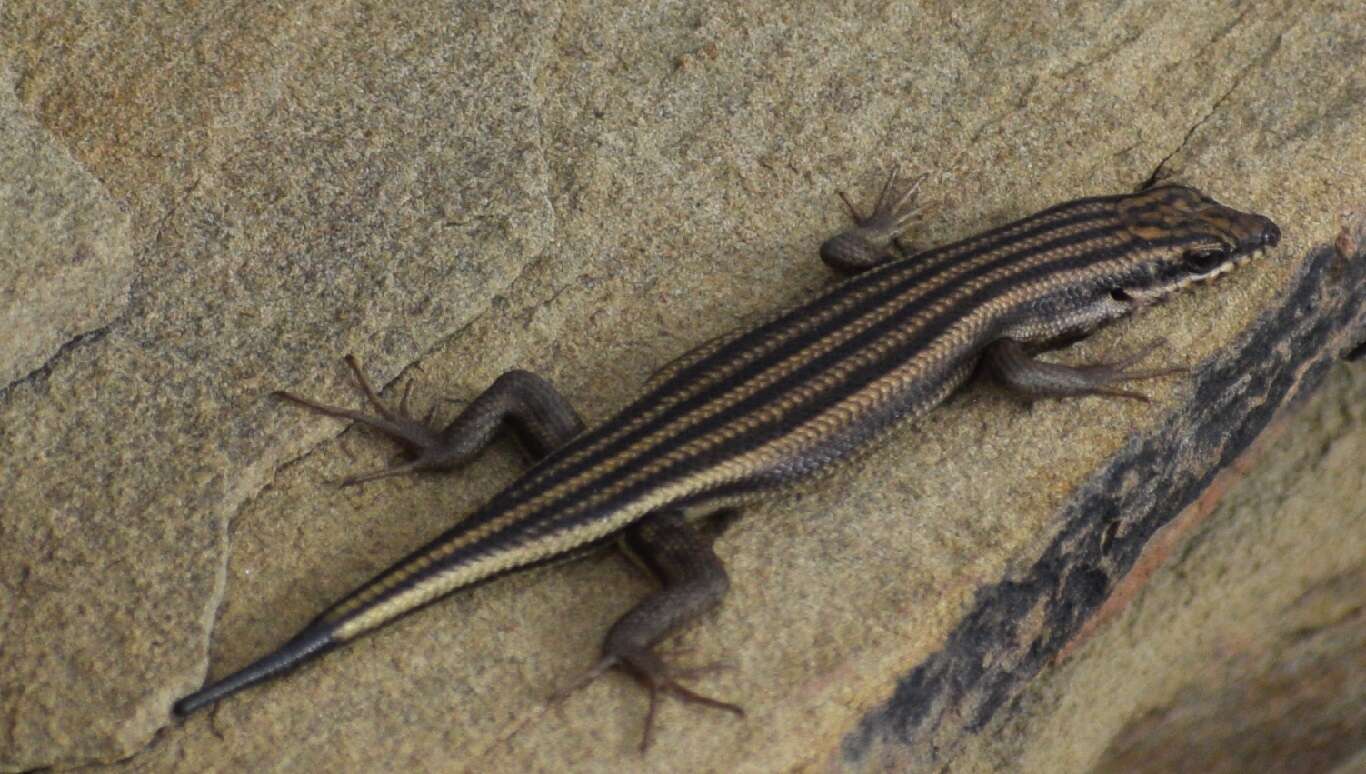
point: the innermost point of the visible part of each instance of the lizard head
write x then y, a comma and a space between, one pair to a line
1191, 238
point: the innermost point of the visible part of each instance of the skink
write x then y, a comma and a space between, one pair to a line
756, 412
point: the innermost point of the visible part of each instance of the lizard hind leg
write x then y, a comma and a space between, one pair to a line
694, 582
529, 405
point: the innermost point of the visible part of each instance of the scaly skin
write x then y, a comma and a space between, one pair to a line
754, 413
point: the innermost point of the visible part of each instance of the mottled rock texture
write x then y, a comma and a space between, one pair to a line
1243, 650
452, 189
65, 257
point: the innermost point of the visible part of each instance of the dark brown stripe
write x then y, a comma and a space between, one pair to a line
800, 335
595, 497
565, 514
813, 405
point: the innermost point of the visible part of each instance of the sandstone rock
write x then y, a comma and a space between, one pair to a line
453, 189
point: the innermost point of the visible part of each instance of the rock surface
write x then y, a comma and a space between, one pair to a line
1246, 648
65, 258
451, 189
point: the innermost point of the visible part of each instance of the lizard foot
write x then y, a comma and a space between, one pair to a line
891, 212
866, 244
1110, 372
657, 677
1031, 378
422, 443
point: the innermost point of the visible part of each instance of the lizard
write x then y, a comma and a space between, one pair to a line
752, 414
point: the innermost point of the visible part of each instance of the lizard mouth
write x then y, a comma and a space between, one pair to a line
1202, 270
1196, 269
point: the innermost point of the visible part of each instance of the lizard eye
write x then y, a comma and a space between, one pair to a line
1208, 259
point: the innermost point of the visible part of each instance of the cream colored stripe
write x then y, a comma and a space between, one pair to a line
916, 264
814, 350
526, 553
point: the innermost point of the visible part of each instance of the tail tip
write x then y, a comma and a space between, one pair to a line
308, 644
186, 705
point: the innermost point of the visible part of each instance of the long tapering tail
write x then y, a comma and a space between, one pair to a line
308, 644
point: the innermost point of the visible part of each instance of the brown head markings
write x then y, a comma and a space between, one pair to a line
1194, 237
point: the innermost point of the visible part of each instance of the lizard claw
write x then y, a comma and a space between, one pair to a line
655, 684
656, 678
419, 438
866, 244
1112, 372
891, 212
1031, 378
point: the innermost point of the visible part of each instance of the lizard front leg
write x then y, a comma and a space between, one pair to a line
522, 401
872, 240
1030, 378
